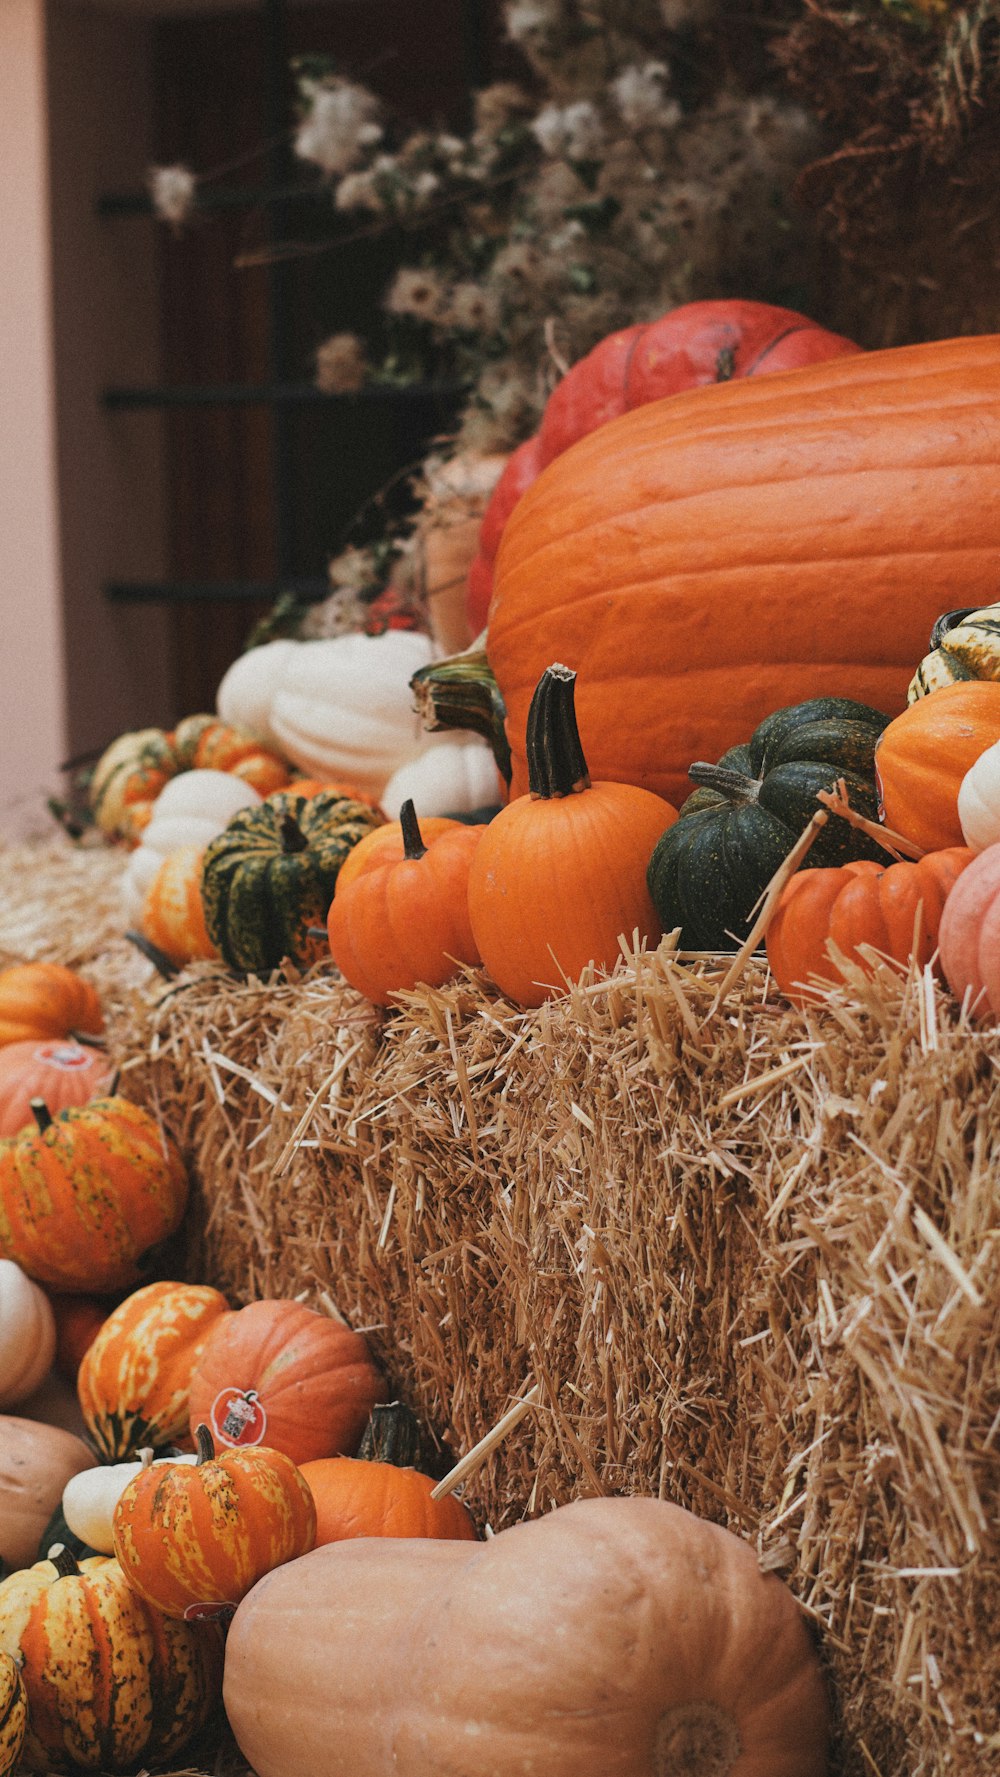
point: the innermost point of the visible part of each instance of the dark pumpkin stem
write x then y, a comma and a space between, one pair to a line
64, 1561
292, 837
462, 693
734, 785
556, 765
206, 1445
41, 1113
949, 621
413, 842
159, 959
87, 1039
391, 1435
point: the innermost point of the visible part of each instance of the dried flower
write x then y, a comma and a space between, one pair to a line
172, 191
573, 131
339, 124
341, 366
640, 99
472, 309
359, 191
500, 105
417, 293
526, 19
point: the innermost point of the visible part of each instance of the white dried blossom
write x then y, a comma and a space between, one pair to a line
638, 93
340, 364
359, 191
520, 263
416, 292
172, 192
452, 150
426, 185
472, 309
525, 19
567, 236
571, 131
339, 125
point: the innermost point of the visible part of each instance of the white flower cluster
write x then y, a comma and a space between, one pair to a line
339, 124
172, 193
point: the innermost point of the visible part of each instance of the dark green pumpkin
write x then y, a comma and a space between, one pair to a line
270, 877
711, 867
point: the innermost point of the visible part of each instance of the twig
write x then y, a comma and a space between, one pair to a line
784, 872
479, 1452
836, 801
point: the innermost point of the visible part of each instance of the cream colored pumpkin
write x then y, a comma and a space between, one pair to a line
451, 776
89, 1498
338, 708
191, 809
27, 1334
979, 800
36, 1461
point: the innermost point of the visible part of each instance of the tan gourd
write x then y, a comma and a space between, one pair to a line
616, 1636
27, 1334
36, 1461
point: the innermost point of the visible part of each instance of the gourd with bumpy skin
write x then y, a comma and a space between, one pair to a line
895, 909
559, 875
110, 1681
268, 880
85, 1194
705, 560
134, 770
134, 1378
620, 1635
13, 1712
198, 1538
708, 872
922, 758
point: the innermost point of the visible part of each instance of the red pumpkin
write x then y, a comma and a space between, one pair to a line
278, 1373
859, 903
192, 1540
698, 343
62, 1073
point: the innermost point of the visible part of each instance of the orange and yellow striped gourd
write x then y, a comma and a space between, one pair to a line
134, 1377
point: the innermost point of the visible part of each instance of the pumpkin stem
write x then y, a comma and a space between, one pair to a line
292, 837
41, 1113
461, 692
391, 1435
735, 786
64, 1561
949, 621
159, 959
206, 1445
413, 842
556, 765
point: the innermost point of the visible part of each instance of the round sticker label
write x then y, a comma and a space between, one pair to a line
238, 1417
66, 1056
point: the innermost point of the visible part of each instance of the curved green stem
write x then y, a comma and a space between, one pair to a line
461, 692
292, 837
413, 842
41, 1113
556, 765
206, 1445
735, 786
391, 1435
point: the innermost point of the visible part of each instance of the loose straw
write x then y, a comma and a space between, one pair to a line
783, 874
479, 1452
837, 802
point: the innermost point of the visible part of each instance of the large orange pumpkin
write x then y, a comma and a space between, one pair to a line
86, 1193
280, 1374
46, 1000
712, 557
134, 1377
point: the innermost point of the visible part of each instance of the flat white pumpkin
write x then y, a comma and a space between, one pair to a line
27, 1334
247, 688
451, 776
89, 1498
979, 801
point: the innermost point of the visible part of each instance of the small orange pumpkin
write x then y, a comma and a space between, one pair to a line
61, 1072
407, 921
193, 1540
86, 1193
134, 1378
923, 755
381, 1492
385, 845
280, 1374
46, 1000
560, 873
858, 903
173, 916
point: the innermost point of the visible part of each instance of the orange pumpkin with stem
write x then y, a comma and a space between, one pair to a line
859, 903
923, 755
381, 1492
560, 873
60, 1072
193, 1540
85, 1194
280, 1374
407, 920
46, 1000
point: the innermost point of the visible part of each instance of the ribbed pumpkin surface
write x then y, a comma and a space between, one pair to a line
13, 1713
134, 1378
83, 1200
109, 1680
709, 558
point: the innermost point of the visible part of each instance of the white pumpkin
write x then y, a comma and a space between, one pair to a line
89, 1498
979, 801
27, 1334
337, 708
191, 809
453, 775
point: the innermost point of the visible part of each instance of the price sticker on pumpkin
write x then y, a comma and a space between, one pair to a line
238, 1417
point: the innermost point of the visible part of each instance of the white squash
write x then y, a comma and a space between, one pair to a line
27, 1334
453, 775
191, 809
979, 800
337, 708
89, 1498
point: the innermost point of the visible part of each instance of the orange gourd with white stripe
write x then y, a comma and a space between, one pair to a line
109, 1681
192, 1541
85, 1194
134, 1378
